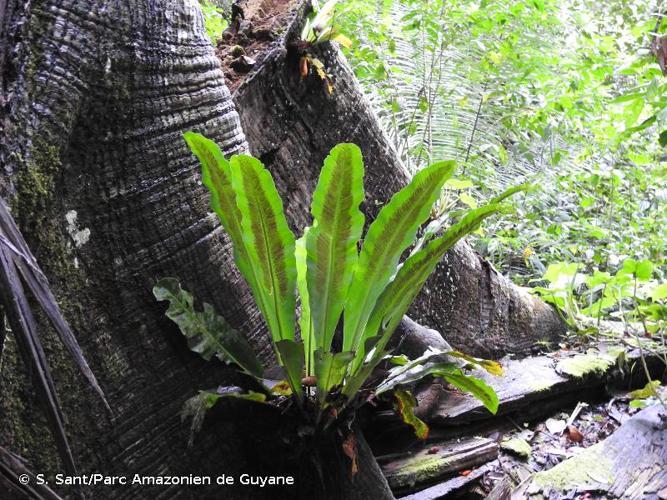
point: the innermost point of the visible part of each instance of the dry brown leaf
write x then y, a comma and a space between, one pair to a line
350, 449
573, 434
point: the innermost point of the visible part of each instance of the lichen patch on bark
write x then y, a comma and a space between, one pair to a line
79, 236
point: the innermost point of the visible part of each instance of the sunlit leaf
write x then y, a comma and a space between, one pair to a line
493, 367
269, 243
331, 242
389, 235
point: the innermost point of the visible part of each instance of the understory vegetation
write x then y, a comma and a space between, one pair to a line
567, 95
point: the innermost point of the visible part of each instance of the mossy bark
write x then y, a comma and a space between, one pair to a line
95, 98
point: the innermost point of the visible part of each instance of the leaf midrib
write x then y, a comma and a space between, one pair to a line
375, 271
330, 267
270, 260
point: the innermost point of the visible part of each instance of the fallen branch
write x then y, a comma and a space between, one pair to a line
435, 462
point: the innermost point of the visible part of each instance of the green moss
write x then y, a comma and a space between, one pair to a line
420, 469
35, 207
586, 470
517, 446
23, 428
586, 364
537, 385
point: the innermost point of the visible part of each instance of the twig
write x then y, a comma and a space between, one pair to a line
575, 413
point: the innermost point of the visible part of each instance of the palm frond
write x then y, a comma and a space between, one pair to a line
11, 468
18, 267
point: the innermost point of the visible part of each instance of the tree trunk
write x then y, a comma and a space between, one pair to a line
95, 97
291, 123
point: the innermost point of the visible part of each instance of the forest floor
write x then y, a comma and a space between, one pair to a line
245, 43
561, 407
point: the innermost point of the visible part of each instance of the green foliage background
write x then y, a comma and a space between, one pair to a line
566, 94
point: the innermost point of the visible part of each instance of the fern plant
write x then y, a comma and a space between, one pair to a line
363, 287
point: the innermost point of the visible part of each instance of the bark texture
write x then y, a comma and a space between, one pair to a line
95, 97
279, 444
291, 123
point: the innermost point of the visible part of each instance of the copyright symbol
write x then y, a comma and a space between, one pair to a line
24, 479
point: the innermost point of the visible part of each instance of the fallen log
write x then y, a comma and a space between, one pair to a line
452, 486
554, 380
432, 463
631, 463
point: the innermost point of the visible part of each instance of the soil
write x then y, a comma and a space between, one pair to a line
247, 41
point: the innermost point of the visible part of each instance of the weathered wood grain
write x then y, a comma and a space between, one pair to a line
437, 461
630, 464
453, 486
533, 387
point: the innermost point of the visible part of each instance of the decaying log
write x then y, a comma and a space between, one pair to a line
631, 464
552, 381
435, 462
453, 486
501, 491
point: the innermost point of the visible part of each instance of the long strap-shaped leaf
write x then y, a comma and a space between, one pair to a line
399, 294
217, 177
305, 320
332, 241
269, 243
389, 235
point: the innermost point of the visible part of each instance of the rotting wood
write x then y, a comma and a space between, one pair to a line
437, 461
631, 463
501, 491
526, 381
451, 486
